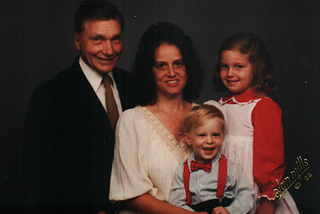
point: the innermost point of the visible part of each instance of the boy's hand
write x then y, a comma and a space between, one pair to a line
220, 210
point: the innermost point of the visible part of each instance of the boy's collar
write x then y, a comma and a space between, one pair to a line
214, 160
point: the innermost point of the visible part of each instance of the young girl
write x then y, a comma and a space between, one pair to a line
254, 134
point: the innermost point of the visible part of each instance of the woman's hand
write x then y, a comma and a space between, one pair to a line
266, 207
220, 210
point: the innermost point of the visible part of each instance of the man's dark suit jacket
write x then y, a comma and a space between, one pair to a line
69, 144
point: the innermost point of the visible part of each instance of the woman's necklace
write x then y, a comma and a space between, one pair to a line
179, 132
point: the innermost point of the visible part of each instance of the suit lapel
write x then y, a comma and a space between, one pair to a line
118, 77
86, 96
124, 86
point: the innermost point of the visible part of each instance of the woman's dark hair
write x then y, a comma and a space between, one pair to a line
156, 35
249, 44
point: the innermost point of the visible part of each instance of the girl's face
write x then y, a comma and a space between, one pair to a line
235, 71
169, 71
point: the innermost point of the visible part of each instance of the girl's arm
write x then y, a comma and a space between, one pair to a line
268, 148
148, 204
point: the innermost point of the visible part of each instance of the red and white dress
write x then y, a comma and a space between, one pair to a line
254, 141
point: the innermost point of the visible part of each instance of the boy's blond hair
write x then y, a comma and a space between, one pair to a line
199, 115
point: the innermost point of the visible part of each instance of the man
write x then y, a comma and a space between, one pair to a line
69, 139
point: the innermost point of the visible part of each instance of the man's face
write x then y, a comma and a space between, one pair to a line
100, 44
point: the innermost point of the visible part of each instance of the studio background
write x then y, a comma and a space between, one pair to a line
37, 42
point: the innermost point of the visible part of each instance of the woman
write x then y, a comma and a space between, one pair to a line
149, 142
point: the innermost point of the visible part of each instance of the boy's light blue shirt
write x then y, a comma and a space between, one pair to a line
203, 187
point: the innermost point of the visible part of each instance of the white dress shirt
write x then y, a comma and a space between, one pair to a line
95, 79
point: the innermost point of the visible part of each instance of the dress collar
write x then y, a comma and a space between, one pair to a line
245, 97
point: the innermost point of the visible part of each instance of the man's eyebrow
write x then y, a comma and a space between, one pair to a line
118, 35
98, 36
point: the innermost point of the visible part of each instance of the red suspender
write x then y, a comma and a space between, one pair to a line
221, 182
186, 179
222, 177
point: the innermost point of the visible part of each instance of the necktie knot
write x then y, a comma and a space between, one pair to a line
107, 80
205, 166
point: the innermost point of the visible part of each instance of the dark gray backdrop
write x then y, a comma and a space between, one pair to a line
37, 42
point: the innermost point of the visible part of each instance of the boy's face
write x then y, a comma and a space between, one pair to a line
206, 140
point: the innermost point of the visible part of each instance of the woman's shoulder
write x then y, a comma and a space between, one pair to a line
131, 110
132, 114
131, 124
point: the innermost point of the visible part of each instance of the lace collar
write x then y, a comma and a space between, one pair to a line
243, 98
180, 149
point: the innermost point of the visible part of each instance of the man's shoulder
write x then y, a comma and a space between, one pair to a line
116, 69
121, 74
60, 82
64, 76
125, 85
71, 72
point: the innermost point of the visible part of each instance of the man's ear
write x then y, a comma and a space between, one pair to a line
187, 138
77, 39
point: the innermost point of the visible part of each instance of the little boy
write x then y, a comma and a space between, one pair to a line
204, 128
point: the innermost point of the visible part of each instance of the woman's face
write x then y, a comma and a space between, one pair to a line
169, 71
